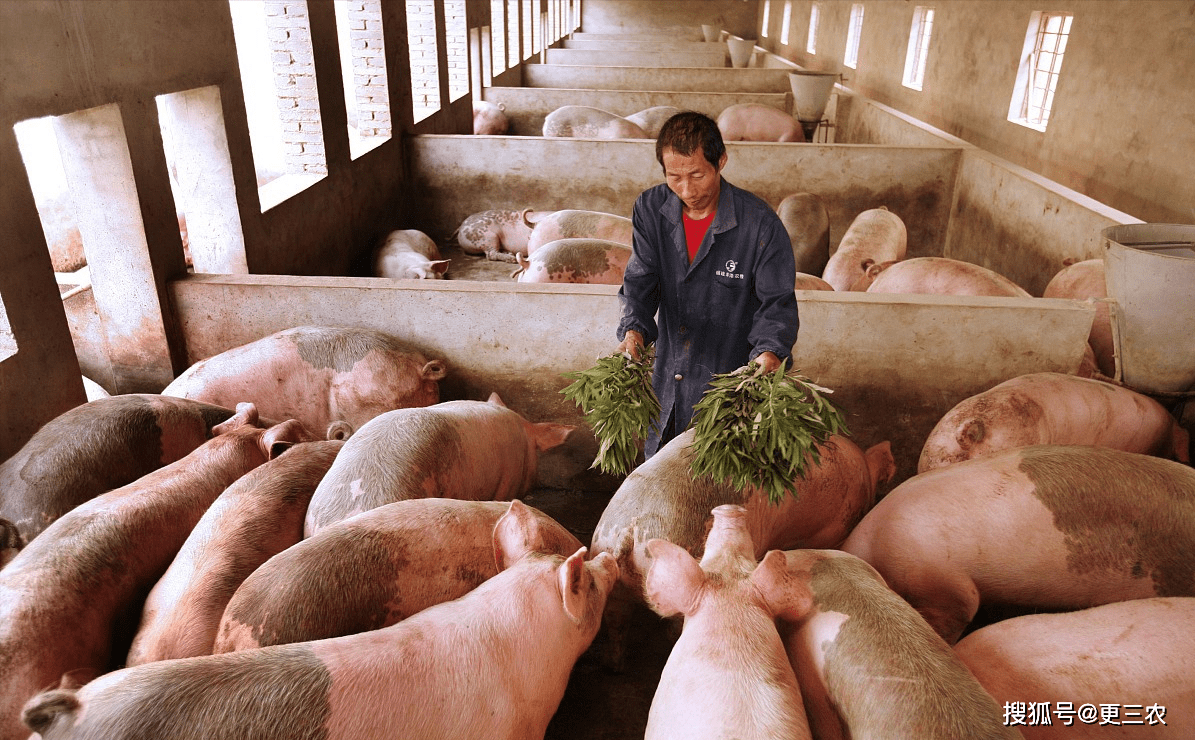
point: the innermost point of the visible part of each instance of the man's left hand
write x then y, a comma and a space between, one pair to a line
767, 362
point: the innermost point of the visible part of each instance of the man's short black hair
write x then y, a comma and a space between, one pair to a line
685, 132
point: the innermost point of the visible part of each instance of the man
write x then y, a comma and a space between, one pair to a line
717, 264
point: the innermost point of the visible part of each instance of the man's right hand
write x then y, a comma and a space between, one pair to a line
632, 344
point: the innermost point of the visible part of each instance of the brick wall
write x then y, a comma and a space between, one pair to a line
370, 85
294, 81
421, 39
457, 38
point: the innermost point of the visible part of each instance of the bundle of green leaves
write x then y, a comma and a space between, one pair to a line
619, 405
762, 430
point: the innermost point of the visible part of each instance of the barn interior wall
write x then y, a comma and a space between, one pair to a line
1120, 131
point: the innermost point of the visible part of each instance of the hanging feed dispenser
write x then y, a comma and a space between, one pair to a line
811, 93
741, 51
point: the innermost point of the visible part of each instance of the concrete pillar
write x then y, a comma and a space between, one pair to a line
193, 124
99, 174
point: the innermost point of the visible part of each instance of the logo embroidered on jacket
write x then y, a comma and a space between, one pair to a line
730, 273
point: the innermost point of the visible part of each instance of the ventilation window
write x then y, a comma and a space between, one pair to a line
498, 36
853, 32
763, 26
512, 32
273, 42
537, 23
814, 16
363, 72
528, 24
923, 26
456, 39
786, 18
1037, 77
425, 65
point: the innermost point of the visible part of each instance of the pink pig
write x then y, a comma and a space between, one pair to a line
1042, 527
728, 674
870, 667
498, 234
593, 261
472, 450
258, 516
1053, 408
575, 224
68, 596
1081, 281
757, 122
1135, 655
377, 568
937, 276
492, 664
876, 235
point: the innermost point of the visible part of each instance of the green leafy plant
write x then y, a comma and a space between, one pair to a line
760, 430
619, 405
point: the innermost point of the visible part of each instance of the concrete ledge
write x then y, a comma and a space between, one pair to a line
455, 176
687, 33
896, 363
526, 107
693, 79
710, 57
652, 44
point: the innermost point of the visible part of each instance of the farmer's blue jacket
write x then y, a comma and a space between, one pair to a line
733, 303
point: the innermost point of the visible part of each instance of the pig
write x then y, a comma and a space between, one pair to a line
331, 379
755, 122
870, 667
255, 518
1044, 527
67, 598
492, 664
808, 225
805, 281
576, 261
95, 447
377, 568
497, 234
660, 499
470, 450
409, 254
1135, 653
11, 541
586, 122
1082, 281
575, 224
1053, 408
728, 675
876, 235
651, 120
489, 119
937, 276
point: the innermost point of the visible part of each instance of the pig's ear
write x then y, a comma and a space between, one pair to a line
674, 579
786, 594
434, 370
548, 435
246, 414
339, 429
514, 533
281, 437
496, 399
439, 267
574, 582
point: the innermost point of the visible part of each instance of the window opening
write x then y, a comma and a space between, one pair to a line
815, 13
853, 32
512, 32
528, 24
8, 342
919, 35
425, 64
786, 18
363, 72
456, 39
498, 36
273, 42
1041, 62
763, 26
55, 207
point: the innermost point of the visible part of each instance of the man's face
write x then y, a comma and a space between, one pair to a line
694, 180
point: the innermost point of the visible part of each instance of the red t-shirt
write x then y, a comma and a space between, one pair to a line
695, 233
